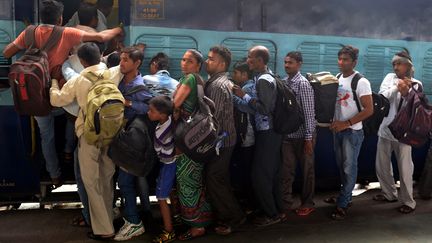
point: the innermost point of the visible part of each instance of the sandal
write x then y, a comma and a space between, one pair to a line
331, 200
189, 236
79, 221
382, 198
165, 237
406, 209
304, 211
223, 229
339, 213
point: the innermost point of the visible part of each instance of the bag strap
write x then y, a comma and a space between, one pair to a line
29, 37
53, 39
200, 85
354, 83
136, 89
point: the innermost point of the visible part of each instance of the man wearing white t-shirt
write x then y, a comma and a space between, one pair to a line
347, 126
394, 87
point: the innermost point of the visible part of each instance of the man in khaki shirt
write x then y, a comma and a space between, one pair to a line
97, 168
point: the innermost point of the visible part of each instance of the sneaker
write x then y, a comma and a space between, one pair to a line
129, 230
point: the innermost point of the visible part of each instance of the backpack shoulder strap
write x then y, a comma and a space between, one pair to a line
354, 83
29, 37
93, 77
54, 38
136, 89
200, 85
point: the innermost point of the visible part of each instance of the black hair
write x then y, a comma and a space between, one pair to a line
198, 56
113, 59
134, 53
105, 3
242, 66
163, 104
405, 54
224, 52
161, 60
296, 55
51, 11
86, 13
90, 53
349, 50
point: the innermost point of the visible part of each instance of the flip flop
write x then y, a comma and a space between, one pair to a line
406, 209
188, 235
79, 221
382, 198
304, 211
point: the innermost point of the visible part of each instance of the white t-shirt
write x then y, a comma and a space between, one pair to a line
346, 107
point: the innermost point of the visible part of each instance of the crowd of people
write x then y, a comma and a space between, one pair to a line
203, 191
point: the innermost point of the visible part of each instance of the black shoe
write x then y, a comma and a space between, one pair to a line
266, 221
100, 237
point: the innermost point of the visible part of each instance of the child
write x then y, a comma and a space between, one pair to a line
160, 109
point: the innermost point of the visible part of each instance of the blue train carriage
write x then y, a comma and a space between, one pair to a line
317, 30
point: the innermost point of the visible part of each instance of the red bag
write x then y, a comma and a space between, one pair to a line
412, 124
29, 76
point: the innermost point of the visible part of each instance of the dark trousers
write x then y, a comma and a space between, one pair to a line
240, 168
425, 184
265, 172
293, 152
220, 195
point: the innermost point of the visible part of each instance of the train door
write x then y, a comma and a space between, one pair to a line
19, 176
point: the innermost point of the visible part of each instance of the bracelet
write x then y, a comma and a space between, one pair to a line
349, 121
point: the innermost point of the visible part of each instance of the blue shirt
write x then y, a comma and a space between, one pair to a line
161, 79
139, 99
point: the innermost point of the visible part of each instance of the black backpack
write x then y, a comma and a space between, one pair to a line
132, 148
287, 115
325, 87
381, 108
241, 123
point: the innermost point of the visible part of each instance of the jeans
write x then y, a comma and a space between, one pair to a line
46, 129
143, 193
70, 139
126, 184
82, 193
347, 146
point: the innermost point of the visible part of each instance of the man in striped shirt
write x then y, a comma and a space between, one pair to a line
218, 89
299, 145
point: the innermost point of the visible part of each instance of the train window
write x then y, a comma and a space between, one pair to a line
173, 46
377, 63
427, 72
319, 57
240, 47
4, 63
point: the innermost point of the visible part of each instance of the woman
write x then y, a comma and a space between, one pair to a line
195, 210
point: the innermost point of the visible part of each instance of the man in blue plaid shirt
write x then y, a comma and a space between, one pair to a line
299, 145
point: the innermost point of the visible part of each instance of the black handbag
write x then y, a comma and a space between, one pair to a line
197, 135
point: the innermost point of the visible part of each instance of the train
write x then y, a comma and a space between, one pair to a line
318, 29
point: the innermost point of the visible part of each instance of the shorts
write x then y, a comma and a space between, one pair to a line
165, 181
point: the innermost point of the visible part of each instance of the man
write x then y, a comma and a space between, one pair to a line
243, 153
159, 76
267, 161
218, 89
101, 21
299, 145
97, 169
51, 14
347, 126
130, 60
395, 87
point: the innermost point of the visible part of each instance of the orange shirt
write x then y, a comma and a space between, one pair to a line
58, 54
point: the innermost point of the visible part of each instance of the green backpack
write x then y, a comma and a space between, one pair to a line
105, 110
